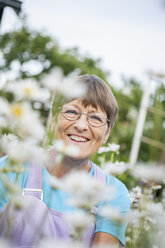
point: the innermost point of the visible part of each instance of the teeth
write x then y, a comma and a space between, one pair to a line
76, 138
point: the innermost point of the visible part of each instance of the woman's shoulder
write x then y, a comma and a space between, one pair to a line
113, 181
121, 194
120, 191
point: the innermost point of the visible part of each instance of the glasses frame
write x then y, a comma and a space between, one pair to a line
62, 112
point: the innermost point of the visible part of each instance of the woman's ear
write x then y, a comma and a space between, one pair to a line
106, 135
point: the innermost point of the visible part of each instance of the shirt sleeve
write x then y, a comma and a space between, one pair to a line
119, 201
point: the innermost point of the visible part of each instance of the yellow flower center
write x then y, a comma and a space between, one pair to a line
16, 110
27, 91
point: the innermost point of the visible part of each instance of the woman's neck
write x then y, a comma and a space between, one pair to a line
66, 165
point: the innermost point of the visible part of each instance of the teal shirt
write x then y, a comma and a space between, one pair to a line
57, 199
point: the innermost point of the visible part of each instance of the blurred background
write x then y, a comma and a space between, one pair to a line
120, 41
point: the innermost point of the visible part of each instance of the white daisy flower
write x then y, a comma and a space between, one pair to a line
22, 151
68, 86
111, 213
55, 182
69, 150
135, 194
115, 168
4, 109
151, 173
24, 121
78, 183
26, 89
3, 122
110, 148
78, 221
156, 186
53, 79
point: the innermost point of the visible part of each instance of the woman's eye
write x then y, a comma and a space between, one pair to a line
96, 118
71, 111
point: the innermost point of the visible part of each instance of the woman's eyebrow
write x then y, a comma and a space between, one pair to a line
94, 110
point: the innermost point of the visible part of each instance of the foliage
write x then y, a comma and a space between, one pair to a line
22, 47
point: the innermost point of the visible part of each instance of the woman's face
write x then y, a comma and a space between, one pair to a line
80, 133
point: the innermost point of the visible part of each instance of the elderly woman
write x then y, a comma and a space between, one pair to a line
86, 123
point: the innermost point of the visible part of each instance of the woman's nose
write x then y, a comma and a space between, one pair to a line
82, 123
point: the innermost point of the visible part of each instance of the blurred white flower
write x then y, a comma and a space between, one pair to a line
134, 216
60, 150
103, 149
3, 122
5, 243
132, 114
69, 150
53, 79
12, 189
111, 147
6, 138
127, 239
156, 186
154, 208
68, 86
150, 219
135, 194
84, 190
26, 89
150, 173
4, 109
111, 213
20, 203
78, 221
22, 151
55, 182
115, 168
52, 243
25, 121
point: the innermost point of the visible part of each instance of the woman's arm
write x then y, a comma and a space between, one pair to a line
105, 239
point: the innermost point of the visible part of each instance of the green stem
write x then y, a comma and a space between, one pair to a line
112, 157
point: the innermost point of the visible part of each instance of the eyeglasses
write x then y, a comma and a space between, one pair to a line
95, 119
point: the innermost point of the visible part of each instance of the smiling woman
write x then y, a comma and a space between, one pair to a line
86, 123
88, 129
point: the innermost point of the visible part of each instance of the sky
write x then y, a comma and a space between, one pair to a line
128, 35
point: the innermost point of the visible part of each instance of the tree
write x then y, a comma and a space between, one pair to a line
26, 48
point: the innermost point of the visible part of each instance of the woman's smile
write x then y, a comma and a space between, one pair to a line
78, 138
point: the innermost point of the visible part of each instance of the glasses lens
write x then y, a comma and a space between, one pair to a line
70, 113
96, 119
